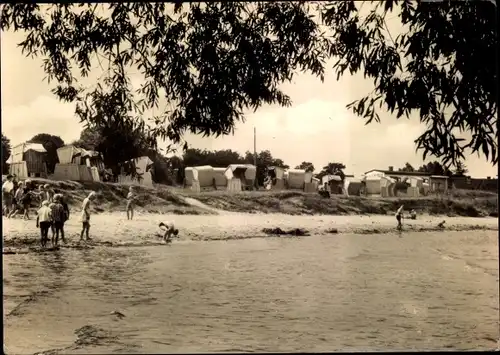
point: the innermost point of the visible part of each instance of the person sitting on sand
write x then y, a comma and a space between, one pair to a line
413, 214
43, 221
131, 196
85, 217
399, 214
167, 230
58, 218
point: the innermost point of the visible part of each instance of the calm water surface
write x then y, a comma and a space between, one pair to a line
423, 291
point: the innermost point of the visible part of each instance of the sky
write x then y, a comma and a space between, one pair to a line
317, 127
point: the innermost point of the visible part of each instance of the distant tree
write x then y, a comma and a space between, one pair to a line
215, 158
407, 168
332, 169
51, 143
118, 144
6, 150
264, 161
215, 60
305, 165
435, 168
461, 169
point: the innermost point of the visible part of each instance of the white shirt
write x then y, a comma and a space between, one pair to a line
8, 186
399, 211
44, 214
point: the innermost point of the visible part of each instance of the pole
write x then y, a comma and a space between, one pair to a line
255, 154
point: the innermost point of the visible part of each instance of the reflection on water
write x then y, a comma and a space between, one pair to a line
344, 292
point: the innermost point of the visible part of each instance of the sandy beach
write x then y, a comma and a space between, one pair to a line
115, 229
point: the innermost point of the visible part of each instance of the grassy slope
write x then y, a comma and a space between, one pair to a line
163, 199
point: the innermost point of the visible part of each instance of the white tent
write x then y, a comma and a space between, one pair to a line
244, 172
17, 153
372, 184
277, 171
297, 178
143, 169
220, 178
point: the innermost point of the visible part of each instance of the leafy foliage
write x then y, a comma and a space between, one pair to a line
264, 160
332, 169
443, 68
407, 168
51, 143
213, 61
461, 169
6, 150
435, 168
305, 165
215, 158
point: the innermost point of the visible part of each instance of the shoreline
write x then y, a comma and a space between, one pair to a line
114, 230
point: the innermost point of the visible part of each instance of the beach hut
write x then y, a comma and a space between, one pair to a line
438, 183
372, 185
353, 187
246, 173
387, 186
189, 176
136, 171
312, 186
335, 184
28, 160
78, 164
297, 178
277, 175
220, 178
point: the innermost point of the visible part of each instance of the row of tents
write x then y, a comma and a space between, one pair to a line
75, 164
237, 177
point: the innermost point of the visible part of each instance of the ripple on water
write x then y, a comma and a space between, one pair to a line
347, 292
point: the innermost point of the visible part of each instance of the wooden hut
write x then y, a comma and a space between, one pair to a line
28, 160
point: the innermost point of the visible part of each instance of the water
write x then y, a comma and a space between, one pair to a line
421, 291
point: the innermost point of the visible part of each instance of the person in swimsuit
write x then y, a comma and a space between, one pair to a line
131, 196
85, 217
399, 214
7, 195
167, 231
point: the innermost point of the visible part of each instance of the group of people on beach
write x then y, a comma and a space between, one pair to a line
53, 211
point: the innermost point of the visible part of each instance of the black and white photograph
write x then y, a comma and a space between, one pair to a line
249, 177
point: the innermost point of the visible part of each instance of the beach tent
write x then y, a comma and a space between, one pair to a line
276, 172
220, 178
387, 186
372, 185
297, 178
246, 173
141, 166
189, 176
353, 187
28, 160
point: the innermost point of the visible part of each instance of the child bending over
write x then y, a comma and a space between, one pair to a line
167, 231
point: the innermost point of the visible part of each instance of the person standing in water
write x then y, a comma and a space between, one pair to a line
131, 196
58, 218
85, 218
399, 214
44, 221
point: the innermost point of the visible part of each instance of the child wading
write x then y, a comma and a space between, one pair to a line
85, 218
131, 196
399, 214
43, 221
58, 218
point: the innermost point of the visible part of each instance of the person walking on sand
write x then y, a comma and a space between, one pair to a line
131, 196
16, 201
399, 214
7, 195
85, 217
43, 221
